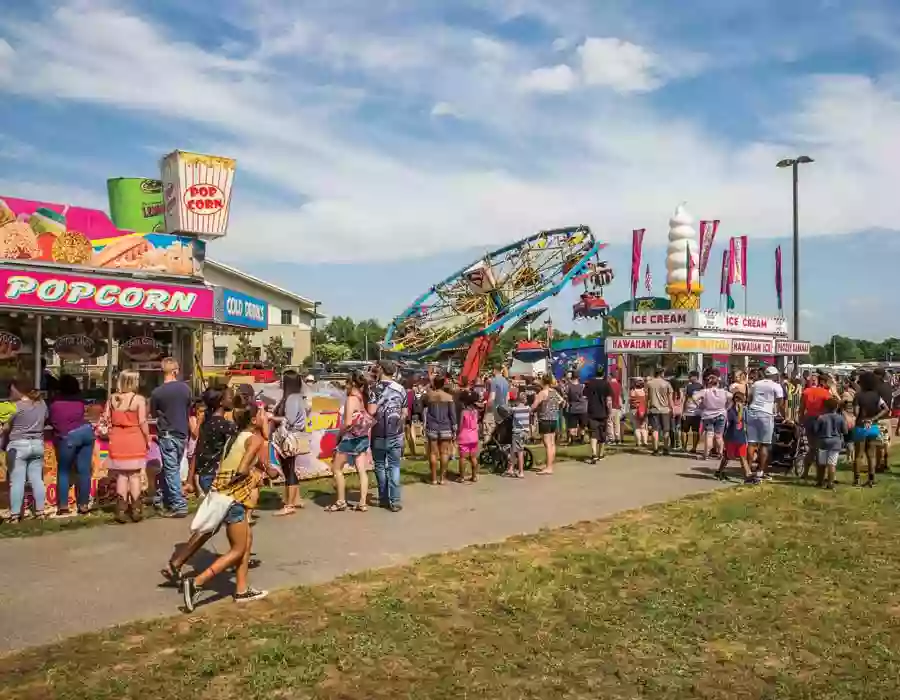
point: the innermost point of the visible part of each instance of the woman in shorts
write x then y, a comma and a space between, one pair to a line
713, 403
546, 407
353, 444
870, 408
440, 428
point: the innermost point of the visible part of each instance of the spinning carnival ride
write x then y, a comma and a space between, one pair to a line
474, 305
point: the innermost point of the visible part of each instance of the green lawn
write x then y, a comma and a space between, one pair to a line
780, 591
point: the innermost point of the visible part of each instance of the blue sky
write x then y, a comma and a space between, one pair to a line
382, 145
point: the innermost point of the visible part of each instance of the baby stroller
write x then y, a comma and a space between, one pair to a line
788, 443
495, 453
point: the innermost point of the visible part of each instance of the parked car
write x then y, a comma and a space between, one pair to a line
259, 371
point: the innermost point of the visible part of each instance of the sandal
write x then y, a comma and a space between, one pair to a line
361, 508
336, 507
171, 574
285, 510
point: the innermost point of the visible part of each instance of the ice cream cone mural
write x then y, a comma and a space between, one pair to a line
683, 250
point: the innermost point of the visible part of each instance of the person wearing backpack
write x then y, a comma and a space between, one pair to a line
388, 405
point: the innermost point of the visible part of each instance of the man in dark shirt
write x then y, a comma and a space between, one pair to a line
170, 405
886, 392
599, 396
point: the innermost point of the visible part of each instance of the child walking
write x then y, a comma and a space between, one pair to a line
831, 426
467, 437
521, 424
736, 440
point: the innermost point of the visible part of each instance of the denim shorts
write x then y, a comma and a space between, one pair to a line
236, 514
760, 427
439, 435
715, 425
353, 446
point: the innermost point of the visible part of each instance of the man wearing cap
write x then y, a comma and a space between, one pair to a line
389, 410
766, 396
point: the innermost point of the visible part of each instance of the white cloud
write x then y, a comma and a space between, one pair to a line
559, 78
357, 185
619, 65
561, 44
445, 109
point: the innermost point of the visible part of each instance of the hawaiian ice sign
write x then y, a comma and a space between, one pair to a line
197, 193
76, 293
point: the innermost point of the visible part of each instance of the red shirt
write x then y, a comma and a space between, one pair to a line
813, 401
616, 392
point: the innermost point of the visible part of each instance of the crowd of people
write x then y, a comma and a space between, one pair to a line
218, 447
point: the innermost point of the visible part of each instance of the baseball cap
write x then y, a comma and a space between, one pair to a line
771, 371
310, 379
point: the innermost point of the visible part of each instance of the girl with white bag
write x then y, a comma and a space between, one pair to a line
238, 480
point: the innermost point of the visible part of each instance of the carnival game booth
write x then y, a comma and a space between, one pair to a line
701, 339
79, 296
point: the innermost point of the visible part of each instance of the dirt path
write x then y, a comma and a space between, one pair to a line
64, 584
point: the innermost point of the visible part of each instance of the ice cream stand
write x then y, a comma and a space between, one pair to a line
684, 334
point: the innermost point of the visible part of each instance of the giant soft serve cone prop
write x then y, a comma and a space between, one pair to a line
682, 243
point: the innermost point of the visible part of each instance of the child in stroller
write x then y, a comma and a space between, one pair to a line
789, 446
497, 451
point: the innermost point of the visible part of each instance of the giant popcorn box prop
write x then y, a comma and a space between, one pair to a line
197, 193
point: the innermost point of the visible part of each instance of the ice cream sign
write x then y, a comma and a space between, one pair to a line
704, 321
197, 193
65, 292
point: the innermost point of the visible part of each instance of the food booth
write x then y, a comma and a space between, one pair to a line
700, 339
79, 295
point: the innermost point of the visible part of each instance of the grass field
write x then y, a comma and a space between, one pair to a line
414, 470
780, 591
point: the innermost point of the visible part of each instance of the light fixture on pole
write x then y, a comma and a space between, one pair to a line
793, 163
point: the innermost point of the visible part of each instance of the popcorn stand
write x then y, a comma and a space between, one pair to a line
81, 296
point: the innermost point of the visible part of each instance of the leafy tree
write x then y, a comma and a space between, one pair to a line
333, 352
276, 354
244, 351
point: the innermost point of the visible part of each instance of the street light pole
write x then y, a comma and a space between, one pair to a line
793, 164
315, 327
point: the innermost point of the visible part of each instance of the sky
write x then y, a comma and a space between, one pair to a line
380, 146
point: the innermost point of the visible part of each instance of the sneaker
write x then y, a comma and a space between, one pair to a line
752, 481
720, 475
829, 486
395, 507
189, 591
592, 460
250, 594
766, 477
176, 514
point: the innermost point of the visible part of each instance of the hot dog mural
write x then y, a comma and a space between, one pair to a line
69, 235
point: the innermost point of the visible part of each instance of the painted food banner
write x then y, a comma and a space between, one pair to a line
325, 403
580, 356
197, 193
59, 233
136, 204
89, 294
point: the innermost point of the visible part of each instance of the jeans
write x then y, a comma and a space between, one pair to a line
168, 481
760, 427
75, 452
386, 453
25, 459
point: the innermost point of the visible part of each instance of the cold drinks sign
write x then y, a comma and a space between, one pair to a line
704, 321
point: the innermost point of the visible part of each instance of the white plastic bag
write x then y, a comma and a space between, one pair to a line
185, 467
211, 512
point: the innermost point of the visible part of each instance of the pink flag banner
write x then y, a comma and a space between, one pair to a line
708, 231
723, 286
637, 243
737, 272
778, 282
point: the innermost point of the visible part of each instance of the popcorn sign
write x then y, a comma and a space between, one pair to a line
197, 193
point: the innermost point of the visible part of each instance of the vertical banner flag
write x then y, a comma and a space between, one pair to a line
725, 287
648, 280
708, 231
737, 272
689, 266
637, 242
778, 283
